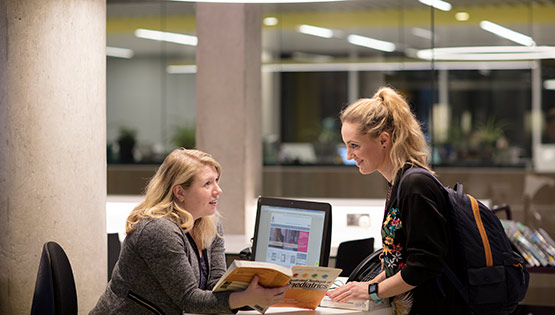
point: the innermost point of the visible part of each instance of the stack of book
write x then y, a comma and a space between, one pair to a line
535, 245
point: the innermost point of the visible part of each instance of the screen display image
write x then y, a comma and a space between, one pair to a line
291, 236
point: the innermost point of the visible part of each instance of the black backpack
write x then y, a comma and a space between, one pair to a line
495, 279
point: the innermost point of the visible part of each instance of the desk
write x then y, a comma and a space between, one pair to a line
319, 310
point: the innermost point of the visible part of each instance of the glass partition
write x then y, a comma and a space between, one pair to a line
150, 110
485, 102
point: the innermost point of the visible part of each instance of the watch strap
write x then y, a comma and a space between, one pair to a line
374, 294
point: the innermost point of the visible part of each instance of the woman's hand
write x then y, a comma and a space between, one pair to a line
353, 290
391, 286
255, 294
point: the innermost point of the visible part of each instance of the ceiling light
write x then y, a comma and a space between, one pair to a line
270, 21
259, 1
462, 16
438, 4
371, 43
374, 66
181, 69
549, 84
488, 53
507, 33
396, 66
421, 32
167, 37
119, 52
315, 31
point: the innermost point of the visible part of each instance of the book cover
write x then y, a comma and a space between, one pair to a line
239, 274
308, 284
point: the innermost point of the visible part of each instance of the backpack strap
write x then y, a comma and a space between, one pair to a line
416, 170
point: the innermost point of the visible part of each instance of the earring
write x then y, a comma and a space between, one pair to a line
384, 147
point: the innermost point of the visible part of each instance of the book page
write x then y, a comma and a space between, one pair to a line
240, 273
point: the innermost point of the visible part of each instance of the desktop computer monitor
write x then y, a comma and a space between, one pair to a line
292, 232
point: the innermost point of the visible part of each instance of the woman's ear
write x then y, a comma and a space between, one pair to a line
179, 193
385, 138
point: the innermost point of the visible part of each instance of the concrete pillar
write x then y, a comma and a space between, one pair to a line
229, 104
52, 144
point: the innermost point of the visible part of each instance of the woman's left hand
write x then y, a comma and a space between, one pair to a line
353, 290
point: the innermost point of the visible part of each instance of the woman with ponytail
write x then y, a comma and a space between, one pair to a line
173, 254
382, 134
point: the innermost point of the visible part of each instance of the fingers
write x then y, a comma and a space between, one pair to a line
254, 279
277, 291
343, 293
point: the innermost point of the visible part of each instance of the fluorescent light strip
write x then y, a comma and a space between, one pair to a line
507, 33
549, 84
397, 66
315, 31
371, 43
167, 37
177, 69
259, 1
375, 66
421, 32
119, 52
488, 53
438, 4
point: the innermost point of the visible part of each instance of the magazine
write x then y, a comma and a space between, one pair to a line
308, 284
536, 246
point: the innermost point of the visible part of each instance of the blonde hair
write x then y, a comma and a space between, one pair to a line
388, 111
180, 167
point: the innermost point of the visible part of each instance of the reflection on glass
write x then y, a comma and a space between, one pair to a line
475, 105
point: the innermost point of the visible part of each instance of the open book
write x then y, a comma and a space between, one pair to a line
309, 284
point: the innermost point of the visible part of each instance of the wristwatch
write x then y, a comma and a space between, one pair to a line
373, 292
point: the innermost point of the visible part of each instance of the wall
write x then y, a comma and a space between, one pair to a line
501, 186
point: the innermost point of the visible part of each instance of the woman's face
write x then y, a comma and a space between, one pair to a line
369, 154
201, 198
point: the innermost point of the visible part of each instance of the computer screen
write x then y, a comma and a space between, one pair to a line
292, 232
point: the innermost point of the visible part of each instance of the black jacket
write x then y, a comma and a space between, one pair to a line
417, 242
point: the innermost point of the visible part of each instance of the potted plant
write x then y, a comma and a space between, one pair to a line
184, 137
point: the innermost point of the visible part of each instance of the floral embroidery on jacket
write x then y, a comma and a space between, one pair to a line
392, 252
393, 258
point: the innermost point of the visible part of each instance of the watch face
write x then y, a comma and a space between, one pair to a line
373, 288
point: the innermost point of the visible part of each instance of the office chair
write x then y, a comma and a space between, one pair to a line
351, 253
55, 292
114, 247
369, 268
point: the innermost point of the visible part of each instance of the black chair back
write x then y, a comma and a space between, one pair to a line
351, 253
55, 292
114, 247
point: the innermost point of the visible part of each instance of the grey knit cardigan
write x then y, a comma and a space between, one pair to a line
158, 273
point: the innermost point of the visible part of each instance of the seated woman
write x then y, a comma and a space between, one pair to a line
174, 250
